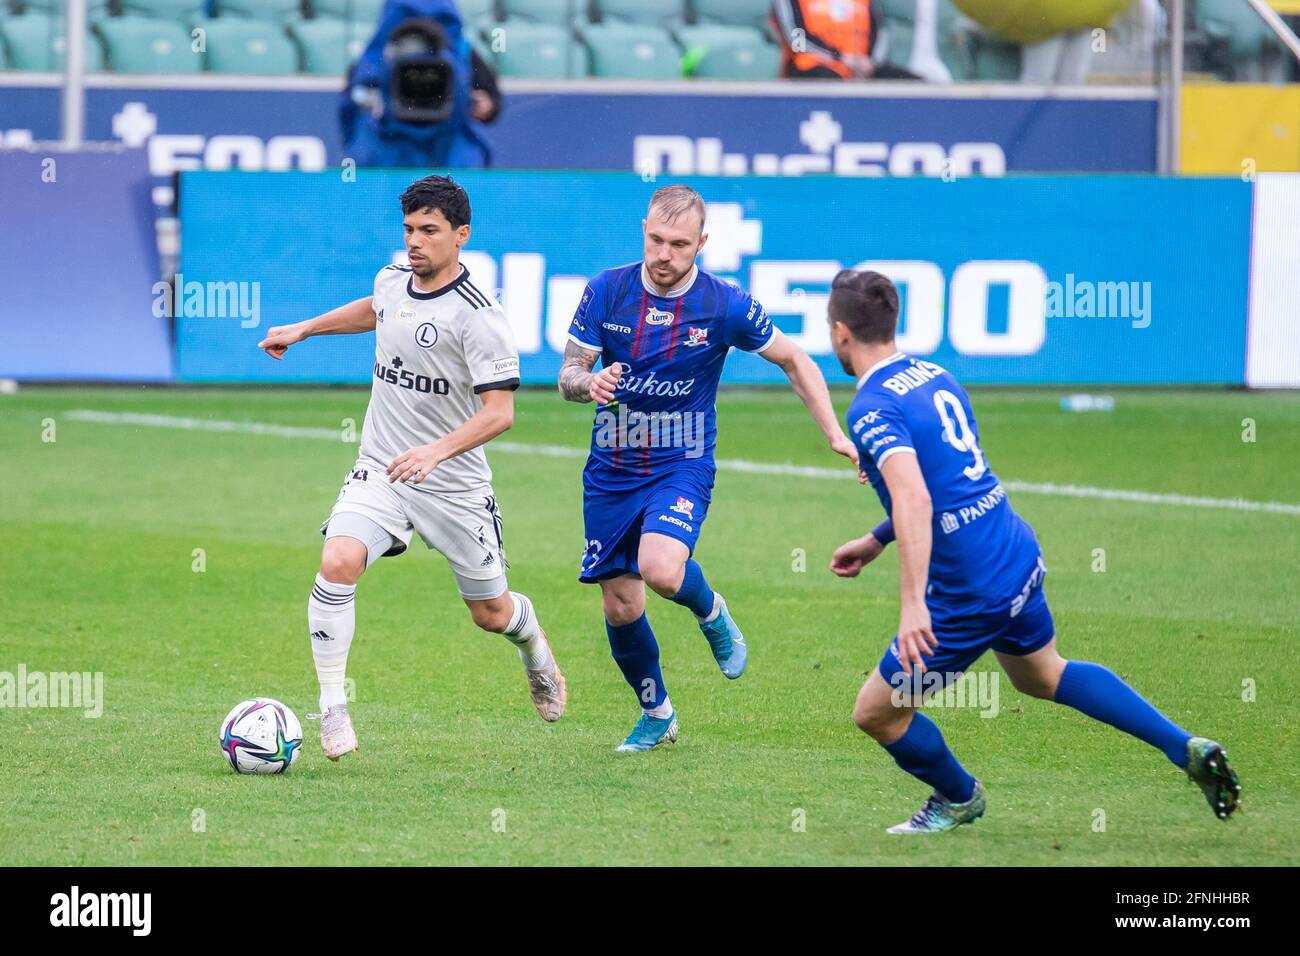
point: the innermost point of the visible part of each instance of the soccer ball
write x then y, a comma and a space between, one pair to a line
261, 736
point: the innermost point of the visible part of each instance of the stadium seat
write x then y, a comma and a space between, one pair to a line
540, 50
328, 46
144, 45
628, 52
277, 11
35, 42
736, 13
183, 12
557, 12
898, 25
247, 46
477, 13
663, 13
95, 9
364, 11
1235, 24
993, 59
728, 53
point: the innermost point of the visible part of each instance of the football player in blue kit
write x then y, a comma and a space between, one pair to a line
663, 328
970, 572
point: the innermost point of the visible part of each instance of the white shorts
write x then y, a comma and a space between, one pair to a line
465, 529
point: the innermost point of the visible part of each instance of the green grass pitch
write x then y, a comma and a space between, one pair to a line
1197, 607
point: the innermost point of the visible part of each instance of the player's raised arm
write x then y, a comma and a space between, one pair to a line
808, 383
356, 316
912, 513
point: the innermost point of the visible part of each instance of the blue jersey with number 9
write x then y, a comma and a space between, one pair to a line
982, 551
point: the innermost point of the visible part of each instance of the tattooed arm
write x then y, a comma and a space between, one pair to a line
578, 383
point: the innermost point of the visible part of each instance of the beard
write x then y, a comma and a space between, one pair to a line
673, 280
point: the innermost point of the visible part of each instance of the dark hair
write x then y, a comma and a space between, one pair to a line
867, 303
439, 193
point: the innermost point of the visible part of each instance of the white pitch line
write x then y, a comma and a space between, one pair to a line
724, 464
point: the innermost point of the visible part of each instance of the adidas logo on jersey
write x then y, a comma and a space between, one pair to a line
488, 561
321, 636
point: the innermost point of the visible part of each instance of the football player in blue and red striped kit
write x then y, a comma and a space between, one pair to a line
662, 328
970, 572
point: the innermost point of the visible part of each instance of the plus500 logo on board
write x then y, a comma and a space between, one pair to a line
782, 285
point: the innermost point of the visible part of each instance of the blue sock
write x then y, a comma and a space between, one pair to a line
637, 653
1096, 691
922, 753
695, 592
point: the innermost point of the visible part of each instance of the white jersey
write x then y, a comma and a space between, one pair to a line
435, 354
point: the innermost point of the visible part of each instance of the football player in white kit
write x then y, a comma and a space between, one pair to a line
444, 377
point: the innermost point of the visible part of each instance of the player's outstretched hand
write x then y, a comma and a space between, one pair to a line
278, 340
915, 638
414, 465
841, 445
604, 382
852, 556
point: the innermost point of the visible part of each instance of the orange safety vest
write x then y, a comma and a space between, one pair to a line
828, 27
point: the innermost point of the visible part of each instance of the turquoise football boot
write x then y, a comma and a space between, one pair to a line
726, 641
939, 814
650, 732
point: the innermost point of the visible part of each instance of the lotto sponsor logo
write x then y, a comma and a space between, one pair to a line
655, 316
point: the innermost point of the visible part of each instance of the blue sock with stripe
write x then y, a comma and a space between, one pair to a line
922, 752
695, 592
636, 652
1096, 691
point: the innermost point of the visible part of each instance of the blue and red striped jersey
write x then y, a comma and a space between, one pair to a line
672, 349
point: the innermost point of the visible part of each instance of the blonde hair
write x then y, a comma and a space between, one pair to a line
673, 201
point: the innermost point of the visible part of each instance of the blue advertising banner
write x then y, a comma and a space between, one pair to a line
1017, 280
78, 264
678, 130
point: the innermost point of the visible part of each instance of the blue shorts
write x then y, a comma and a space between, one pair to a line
613, 521
1021, 627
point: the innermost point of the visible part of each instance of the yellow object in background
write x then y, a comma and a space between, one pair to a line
1232, 128
1285, 6
1029, 21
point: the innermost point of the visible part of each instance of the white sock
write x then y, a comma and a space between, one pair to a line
663, 711
526, 634
717, 609
331, 621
